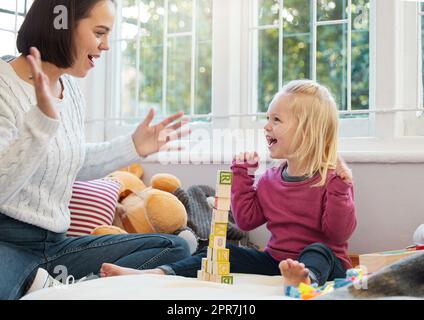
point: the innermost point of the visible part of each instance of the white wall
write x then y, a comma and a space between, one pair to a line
389, 201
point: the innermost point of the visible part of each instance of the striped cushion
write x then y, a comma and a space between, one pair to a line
93, 204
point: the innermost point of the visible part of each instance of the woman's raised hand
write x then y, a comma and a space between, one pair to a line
151, 139
41, 84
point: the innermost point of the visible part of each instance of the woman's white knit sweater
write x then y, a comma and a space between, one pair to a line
41, 157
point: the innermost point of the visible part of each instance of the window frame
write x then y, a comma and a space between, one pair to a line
16, 13
384, 129
349, 127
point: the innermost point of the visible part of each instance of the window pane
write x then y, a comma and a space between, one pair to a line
297, 39
179, 74
268, 11
296, 57
9, 5
180, 16
129, 100
360, 54
203, 81
150, 93
331, 61
296, 16
130, 10
151, 56
7, 21
7, 39
24, 6
267, 67
331, 9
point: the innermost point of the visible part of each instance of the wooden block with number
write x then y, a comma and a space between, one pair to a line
221, 268
220, 216
217, 241
223, 204
219, 229
207, 276
224, 177
219, 255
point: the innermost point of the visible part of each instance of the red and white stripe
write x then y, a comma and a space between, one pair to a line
93, 204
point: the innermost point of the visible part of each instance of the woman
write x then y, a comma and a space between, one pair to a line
42, 151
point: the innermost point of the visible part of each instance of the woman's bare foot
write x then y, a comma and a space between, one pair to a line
112, 270
294, 273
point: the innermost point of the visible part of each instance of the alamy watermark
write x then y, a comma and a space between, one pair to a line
61, 20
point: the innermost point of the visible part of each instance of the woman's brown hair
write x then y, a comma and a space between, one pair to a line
56, 45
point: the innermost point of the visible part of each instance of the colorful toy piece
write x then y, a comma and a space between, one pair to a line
306, 292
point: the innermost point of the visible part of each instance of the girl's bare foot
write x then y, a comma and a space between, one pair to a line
111, 270
294, 273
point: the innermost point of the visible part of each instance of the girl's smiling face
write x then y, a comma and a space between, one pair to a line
281, 127
92, 37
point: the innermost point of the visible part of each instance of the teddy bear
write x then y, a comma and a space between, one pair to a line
153, 209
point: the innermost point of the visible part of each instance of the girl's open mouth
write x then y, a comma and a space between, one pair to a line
91, 60
271, 141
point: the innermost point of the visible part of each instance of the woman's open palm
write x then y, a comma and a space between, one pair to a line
151, 139
41, 84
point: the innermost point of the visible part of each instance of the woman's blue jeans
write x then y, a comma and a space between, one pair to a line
24, 248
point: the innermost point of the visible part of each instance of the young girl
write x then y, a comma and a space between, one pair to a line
306, 202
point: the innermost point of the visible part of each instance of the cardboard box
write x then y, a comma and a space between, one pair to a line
375, 261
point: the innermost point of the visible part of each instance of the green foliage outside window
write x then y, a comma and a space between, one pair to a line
297, 34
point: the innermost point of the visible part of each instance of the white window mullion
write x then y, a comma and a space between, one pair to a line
280, 45
16, 25
137, 62
349, 56
193, 58
226, 57
314, 40
331, 22
165, 58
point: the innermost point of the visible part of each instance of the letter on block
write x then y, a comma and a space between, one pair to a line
222, 203
221, 268
222, 279
220, 216
224, 177
219, 229
219, 255
217, 241
227, 279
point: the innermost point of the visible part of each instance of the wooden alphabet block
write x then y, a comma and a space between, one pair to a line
219, 216
224, 177
217, 241
221, 268
219, 229
219, 255
223, 191
222, 204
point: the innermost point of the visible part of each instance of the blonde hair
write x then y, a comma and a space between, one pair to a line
315, 139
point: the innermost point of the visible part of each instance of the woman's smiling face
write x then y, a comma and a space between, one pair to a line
92, 37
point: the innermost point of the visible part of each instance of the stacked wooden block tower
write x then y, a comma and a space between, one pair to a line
216, 266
